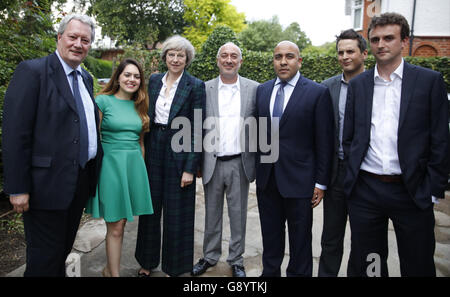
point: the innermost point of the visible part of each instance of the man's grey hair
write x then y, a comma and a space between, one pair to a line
230, 43
79, 17
178, 43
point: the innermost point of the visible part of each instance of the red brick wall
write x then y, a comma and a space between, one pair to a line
430, 46
422, 46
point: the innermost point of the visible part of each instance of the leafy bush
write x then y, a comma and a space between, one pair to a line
99, 68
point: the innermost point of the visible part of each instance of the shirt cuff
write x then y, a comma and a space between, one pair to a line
322, 187
434, 200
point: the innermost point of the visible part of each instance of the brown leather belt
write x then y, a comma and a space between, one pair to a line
384, 178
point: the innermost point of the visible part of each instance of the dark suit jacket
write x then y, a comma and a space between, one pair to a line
190, 96
423, 133
306, 132
334, 86
40, 133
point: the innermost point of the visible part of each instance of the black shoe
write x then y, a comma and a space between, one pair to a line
201, 267
238, 271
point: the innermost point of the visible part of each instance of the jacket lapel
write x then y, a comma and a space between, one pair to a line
368, 86
335, 92
59, 78
214, 89
408, 83
293, 100
244, 97
182, 93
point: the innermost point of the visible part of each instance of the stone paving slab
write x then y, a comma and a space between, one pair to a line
92, 262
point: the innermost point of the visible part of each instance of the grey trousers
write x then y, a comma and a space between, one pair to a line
228, 178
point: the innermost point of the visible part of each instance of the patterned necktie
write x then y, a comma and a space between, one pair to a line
84, 142
279, 101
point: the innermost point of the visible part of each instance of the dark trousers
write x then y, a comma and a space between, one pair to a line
177, 207
371, 205
274, 212
50, 234
334, 222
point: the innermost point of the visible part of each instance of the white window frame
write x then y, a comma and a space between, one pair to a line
354, 9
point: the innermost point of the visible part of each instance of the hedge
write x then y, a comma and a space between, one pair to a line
259, 67
99, 68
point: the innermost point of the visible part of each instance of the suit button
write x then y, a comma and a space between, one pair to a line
75, 120
75, 141
215, 156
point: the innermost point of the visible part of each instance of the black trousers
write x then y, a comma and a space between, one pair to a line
274, 212
371, 205
334, 223
50, 234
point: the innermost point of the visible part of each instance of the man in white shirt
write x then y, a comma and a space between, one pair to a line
396, 145
228, 164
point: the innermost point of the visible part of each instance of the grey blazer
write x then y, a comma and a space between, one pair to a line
334, 86
248, 100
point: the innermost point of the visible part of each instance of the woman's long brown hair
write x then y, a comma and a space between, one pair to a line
140, 97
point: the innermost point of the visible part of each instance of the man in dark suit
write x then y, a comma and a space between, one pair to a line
299, 114
351, 48
396, 144
51, 147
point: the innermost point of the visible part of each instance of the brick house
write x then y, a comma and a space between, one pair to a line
429, 21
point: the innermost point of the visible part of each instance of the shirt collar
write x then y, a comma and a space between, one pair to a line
397, 72
164, 79
231, 86
292, 82
67, 69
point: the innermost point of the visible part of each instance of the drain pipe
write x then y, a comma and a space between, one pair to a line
411, 38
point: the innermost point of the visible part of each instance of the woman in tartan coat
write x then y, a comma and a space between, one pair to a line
174, 97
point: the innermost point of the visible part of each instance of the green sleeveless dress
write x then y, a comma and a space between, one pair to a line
123, 190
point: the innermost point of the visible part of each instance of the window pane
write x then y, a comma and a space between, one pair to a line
357, 19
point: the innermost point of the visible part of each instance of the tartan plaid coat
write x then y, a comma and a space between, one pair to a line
165, 168
190, 96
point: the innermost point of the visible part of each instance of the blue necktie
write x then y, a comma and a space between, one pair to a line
279, 101
84, 142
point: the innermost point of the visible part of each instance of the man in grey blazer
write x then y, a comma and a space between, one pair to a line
352, 52
228, 163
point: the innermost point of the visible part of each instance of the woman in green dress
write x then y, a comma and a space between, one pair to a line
123, 190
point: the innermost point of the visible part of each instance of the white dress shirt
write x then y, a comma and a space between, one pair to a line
288, 90
87, 103
382, 155
229, 118
163, 103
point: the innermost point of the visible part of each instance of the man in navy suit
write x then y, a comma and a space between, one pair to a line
299, 117
351, 48
51, 149
396, 144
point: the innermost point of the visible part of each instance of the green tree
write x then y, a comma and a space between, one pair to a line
296, 35
328, 48
138, 21
205, 64
264, 35
203, 16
